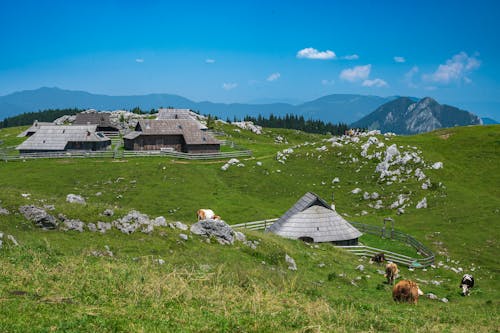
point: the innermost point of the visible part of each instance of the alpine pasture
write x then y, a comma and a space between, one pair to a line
72, 282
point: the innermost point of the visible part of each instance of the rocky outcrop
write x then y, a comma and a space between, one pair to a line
218, 229
39, 216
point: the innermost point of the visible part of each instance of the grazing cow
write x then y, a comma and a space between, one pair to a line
217, 217
466, 284
205, 214
378, 258
391, 272
406, 291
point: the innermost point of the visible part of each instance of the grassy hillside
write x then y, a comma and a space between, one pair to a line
54, 281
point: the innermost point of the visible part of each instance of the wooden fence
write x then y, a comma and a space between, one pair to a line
206, 156
363, 250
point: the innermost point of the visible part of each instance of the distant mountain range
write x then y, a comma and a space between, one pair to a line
336, 108
407, 116
401, 115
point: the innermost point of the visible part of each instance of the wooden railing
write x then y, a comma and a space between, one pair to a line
176, 154
427, 259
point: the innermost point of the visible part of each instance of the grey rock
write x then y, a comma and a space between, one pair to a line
431, 296
422, 204
219, 229
76, 225
161, 262
108, 212
4, 211
39, 216
240, 236
360, 268
103, 227
291, 263
92, 227
183, 237
444, 300
180, 225
147, 229
160, 221
73, 198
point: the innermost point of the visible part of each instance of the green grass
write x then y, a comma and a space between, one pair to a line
209, 287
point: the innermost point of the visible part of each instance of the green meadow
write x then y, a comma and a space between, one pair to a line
54, 282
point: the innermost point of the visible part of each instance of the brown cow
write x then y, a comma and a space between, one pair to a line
378, 258
406, 291
391, 272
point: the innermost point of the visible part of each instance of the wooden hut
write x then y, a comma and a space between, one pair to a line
311, 219
34, 128
101, 119
63, 138
183, 135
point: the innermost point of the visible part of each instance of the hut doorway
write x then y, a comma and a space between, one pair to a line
306, 239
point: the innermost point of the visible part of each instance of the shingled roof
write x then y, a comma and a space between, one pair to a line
101, 119
57, 137
34, 128
166, 114
311, 217
186, 127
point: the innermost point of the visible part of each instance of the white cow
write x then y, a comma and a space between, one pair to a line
205, 214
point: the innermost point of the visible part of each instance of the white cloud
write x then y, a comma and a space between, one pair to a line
351, 57
229, 85
273, 77
311, 53
327, 82
357, 73
455, 69
409, 77
399, 59
139, 60
209, 61
378, 83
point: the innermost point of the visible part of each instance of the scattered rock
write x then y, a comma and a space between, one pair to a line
335, 180
360, 268
39, 216
219, 229
103, 227
73, 198
321, 265
161, 262
444, 300
422, 203
437, 165
431, 296
25, 195
108, 212
183, 237
92, 227
73, 225
4, 211
180, 225
240, 236
291, 263
356, 190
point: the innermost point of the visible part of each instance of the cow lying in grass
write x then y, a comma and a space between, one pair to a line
206, 214
391, 272
466, 284
406, 291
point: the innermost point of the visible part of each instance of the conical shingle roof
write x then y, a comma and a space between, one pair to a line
311, 217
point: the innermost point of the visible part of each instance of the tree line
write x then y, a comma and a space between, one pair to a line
28, 118
297, 122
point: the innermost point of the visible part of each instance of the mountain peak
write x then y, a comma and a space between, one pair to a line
405, 116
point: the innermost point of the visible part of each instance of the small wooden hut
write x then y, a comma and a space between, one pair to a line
311, 219
63, 138
101, 119
183, 135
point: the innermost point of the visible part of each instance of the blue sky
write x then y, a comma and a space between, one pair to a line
244, 51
